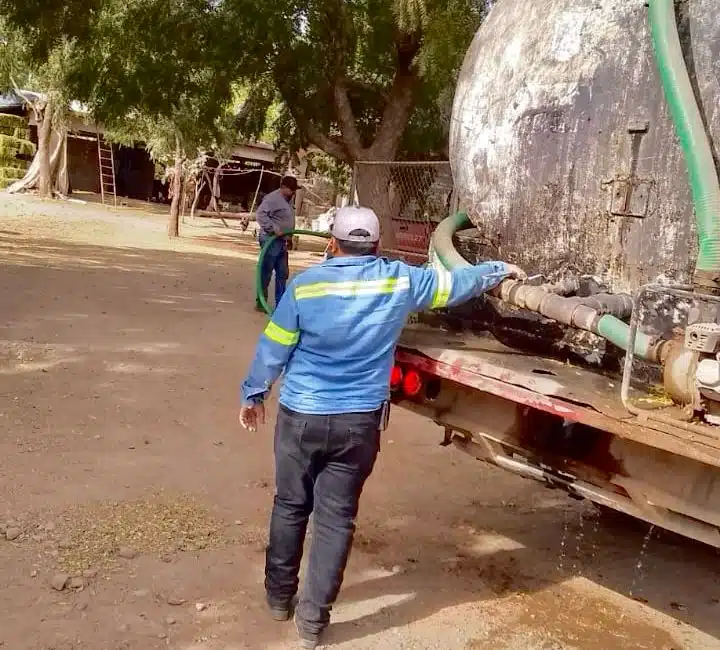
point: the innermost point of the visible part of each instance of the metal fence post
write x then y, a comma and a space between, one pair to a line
353, 186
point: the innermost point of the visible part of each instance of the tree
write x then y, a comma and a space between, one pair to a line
176, 142
351, 74
363, 80
334, 171
135, 63
150, 72
19, 71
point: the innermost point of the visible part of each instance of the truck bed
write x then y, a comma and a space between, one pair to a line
574, 393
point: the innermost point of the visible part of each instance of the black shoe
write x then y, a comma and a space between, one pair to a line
308, 640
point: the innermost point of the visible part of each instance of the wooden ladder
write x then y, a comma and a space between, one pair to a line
106, 164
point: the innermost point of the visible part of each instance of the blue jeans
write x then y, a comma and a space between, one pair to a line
321, 464
276, 259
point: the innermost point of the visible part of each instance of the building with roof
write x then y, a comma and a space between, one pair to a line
133, 171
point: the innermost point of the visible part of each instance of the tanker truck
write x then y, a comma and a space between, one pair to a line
583, 148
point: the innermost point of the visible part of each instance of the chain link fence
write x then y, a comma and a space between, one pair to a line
410, 199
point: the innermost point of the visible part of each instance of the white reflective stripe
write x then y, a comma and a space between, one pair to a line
353, 288
444, 288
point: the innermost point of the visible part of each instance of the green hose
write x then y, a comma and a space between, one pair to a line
260, 296
614, 330
693, 139
441, 242
609, 327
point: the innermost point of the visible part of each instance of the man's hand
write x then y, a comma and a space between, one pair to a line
515, 272
252, 416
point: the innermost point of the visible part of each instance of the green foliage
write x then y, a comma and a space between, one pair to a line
258, 110
11, 146
11, 174
19, 69
48, 23
411, 15
12, 121
446, 37
357, 79
373, 51
156, 58
335, 171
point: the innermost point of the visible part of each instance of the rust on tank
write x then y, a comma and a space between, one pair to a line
563, 152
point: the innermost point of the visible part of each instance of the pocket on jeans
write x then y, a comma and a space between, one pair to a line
290, 429
364, 428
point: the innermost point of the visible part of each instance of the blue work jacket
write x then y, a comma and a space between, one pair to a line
336, 327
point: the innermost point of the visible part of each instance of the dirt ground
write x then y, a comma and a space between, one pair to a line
125, 478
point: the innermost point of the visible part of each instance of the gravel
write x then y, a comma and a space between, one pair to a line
94, 535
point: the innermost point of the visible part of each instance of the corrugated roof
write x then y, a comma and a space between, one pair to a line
10, 101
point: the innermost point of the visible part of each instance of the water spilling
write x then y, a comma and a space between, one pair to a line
639, 573
579, 537
563, 541
594, 535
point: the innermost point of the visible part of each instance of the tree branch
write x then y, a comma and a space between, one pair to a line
346, 118
37, 105
343, 108
315, 135
326, 143
400, 101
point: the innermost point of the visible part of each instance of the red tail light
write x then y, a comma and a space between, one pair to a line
396, 377
412, 383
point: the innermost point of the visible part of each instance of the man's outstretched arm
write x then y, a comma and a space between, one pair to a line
433, 288
273, 351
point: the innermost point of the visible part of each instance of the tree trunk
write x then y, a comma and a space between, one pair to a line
199, 185
372, 183
45, 184
373, 187
216, 188
174, 222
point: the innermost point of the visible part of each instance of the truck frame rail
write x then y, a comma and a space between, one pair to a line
564, 426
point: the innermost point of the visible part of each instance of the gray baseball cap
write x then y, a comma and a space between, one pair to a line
357, 225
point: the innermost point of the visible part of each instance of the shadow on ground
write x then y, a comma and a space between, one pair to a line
541, 553
143, 349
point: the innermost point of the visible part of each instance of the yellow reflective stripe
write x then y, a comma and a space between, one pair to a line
282, 336
352, 288
444, 287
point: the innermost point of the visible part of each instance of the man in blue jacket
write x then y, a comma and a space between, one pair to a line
334, 334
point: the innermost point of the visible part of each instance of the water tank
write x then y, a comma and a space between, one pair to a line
562, 148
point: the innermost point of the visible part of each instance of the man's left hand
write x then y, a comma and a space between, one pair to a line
252, 416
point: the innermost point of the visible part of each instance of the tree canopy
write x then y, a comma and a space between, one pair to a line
360, 79
145, 69
368, 79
